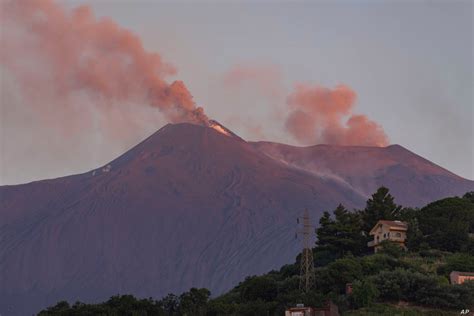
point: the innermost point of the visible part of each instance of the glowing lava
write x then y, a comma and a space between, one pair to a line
218, 127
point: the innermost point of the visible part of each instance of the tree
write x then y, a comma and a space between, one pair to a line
469, 196
391, 249
380, 206
414, 238
422, 289
341, 235
257, 308
116, 305
407, 214
364, 293
60, 308
170, 304
326, 251
457, 262
259, 288
313, 298
447, 223
375, 263
194, 302
337, 274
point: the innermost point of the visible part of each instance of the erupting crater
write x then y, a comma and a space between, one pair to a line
221, 128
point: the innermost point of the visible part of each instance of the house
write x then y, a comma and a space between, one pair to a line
329, 309
394, 231
300, 310
457, 277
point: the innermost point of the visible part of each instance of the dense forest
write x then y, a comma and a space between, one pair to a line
440, 239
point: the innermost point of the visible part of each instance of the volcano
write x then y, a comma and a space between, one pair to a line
189, 206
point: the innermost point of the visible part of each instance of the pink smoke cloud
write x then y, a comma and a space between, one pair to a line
44, 45
323, 115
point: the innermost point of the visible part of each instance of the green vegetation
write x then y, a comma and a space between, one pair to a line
399, 310
393, 281
446, 224
190, 303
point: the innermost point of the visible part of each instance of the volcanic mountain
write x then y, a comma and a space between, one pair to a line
189, 206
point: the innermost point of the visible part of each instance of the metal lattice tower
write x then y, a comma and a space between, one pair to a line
307, 264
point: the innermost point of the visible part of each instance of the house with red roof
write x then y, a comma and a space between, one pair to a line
393, 231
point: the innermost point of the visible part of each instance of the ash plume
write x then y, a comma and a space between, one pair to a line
323, 115
44, 44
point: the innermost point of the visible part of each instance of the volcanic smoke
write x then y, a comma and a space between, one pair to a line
77, 54
71, 54
324, 116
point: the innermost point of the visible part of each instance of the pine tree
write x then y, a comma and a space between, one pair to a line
341, 235
380, 206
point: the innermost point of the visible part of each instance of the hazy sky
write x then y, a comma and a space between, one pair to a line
410, 63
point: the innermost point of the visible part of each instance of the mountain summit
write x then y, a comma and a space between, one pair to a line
221, 128
189, 206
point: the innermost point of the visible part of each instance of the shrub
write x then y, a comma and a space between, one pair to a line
423, 289
257, 308
364, 293
457, 262
335, 276
375, 263
261, 288
391, 249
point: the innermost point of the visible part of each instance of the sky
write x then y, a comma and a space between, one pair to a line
409, 63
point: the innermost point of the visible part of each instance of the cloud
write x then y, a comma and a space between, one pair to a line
323, 115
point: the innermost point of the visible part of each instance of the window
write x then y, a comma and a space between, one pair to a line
398, 235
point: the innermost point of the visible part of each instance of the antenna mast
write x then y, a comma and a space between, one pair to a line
307, 263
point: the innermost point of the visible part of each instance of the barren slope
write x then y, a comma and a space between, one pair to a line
413, 180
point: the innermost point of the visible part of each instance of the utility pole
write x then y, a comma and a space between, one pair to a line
307, 264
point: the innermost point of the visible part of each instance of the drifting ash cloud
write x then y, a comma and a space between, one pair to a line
311, 114
323, 115
44, 45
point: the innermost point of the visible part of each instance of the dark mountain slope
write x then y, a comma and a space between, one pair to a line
189, 206
413, 180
